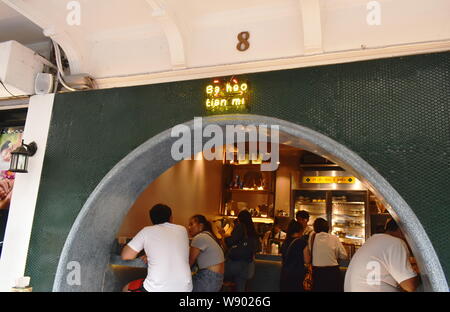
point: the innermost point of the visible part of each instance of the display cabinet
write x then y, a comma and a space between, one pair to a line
246, 187
337, 197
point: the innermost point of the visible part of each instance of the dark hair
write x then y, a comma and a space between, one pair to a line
272, 230
321, 225
160, 213
391, 226
302, 214
245, 218
293, 228
201, 219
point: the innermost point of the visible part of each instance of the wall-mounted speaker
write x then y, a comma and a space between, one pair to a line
43, 83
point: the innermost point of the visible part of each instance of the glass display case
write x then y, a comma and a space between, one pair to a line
346, 211
349, 221
312, 202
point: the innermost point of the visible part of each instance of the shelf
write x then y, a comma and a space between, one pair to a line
257, 191
353, 237
300, 203
349, 203
348, 215
249, 191
355, 227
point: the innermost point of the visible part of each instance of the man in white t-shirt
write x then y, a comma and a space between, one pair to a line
382, 264
166, 246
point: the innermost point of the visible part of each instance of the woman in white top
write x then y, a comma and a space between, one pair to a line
326, 251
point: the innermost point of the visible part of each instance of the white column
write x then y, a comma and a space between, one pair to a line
25, 192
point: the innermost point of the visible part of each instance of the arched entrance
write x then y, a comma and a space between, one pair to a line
90, 240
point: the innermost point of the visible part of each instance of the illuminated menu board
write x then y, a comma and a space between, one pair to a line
226, 95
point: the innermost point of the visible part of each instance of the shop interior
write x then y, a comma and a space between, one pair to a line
219, 189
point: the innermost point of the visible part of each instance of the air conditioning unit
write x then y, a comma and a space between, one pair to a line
19, 66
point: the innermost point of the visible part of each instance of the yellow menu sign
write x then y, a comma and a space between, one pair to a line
337, 180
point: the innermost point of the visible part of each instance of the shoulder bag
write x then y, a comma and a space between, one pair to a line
243, 250
308, 280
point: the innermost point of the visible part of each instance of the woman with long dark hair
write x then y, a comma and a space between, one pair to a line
295, 254
242, 246
207, 253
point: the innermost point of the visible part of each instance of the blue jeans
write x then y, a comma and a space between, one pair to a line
207, 281
239, 272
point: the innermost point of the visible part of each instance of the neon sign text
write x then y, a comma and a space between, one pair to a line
229, 95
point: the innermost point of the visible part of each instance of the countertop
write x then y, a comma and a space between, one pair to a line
270, 257
136, 263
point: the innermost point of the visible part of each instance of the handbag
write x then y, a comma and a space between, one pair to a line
243, 250
308, 280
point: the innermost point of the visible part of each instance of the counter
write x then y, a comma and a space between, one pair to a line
266, 278
270, 257
136, 263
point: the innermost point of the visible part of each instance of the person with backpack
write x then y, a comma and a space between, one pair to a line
206, 252
242, 246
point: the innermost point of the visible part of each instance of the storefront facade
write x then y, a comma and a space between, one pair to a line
392, 113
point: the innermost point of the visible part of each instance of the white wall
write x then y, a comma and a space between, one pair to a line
25, 192
190, 187
195, 187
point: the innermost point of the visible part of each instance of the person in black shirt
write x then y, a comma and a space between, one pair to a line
295, 254
242, 246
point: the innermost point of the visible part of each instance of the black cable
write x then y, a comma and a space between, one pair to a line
6, 89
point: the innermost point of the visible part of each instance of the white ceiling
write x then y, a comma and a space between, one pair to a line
131, 37
14, 26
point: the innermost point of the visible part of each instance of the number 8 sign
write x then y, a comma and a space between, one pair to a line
243, 44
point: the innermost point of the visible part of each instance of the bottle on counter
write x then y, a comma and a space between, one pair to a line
274, 249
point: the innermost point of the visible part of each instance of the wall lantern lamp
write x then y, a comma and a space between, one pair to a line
19, 157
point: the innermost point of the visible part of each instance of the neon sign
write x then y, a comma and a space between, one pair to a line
226, 95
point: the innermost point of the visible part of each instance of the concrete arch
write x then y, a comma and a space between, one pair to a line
90, 239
